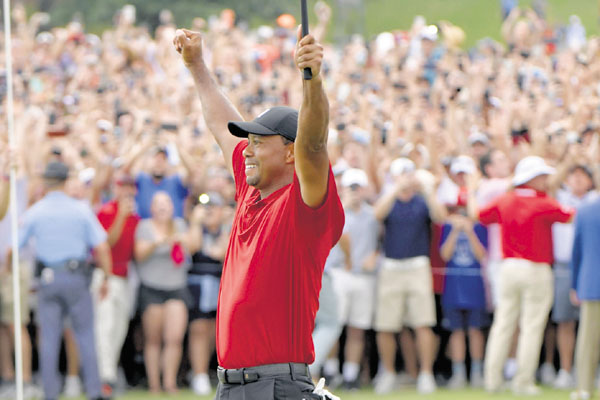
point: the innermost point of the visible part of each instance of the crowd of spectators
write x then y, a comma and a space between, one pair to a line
423, 134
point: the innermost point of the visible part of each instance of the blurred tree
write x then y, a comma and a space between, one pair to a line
98, 15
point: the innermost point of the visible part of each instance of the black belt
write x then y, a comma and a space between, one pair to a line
253, 374
70, 266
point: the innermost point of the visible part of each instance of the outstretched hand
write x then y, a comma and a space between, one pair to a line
309, 54
189, 45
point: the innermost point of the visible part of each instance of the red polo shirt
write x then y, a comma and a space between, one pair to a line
122, 251
269, 292
526, 217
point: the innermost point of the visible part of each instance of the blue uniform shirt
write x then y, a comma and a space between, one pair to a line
147, 188
63, 228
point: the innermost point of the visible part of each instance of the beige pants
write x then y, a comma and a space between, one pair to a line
588, 345
526, 290
111, 323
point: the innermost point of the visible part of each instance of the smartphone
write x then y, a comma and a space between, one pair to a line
169, 127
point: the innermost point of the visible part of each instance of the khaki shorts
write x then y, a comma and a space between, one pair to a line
405, 295
356, 297
6, 297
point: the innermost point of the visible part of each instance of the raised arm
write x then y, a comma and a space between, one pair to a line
310, 147
216, 107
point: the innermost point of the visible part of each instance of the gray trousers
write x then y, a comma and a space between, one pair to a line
273, 388
66, 293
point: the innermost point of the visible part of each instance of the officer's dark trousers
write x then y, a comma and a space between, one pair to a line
272, 388
67, 294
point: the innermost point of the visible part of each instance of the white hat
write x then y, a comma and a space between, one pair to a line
104, 125
529, 168
478, 137
355, 176
463, 164
401, 166
429, 33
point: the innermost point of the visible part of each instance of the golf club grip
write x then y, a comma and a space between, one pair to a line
304, 9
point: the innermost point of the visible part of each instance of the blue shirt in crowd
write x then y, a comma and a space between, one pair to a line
147, 187
463, 287
407, 229
586, 252
63, 228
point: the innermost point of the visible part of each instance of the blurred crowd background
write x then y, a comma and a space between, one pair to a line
409, 107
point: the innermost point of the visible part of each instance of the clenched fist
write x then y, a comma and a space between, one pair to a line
189, 45
309, 53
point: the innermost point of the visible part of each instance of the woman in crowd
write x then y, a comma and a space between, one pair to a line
161, 250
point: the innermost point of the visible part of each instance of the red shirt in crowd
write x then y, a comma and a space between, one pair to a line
526, 217
122, 251
272, 273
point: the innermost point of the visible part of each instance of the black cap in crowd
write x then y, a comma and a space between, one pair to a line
281, 121
56, 170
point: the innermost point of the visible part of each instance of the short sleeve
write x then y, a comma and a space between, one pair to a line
490, 214
105, 217
143, 232
446, 229
26, 228
558, 213
325, 222
180, 225
482, 234
238, 166
95, 232
182, 190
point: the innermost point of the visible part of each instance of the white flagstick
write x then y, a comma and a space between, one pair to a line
16, 273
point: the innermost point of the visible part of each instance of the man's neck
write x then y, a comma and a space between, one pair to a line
283, 180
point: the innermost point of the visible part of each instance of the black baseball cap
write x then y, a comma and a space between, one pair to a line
56, 170
280, 120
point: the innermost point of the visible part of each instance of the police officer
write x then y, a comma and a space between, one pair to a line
65, 230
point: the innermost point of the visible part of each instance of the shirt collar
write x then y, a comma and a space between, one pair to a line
56, 193
525, 191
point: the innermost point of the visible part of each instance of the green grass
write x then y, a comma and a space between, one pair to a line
479, 18
442, 394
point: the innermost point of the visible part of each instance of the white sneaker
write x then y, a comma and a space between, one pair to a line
529, 390
564, 380
426, 383
32, 392
8, 391
580, 395
547, 374
510, 369
457, 382
403, 380
72, 387
476, 380
385, 383
201, 385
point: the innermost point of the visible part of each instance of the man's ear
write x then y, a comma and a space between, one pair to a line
289, 154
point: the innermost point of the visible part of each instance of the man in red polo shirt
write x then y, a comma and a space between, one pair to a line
288, 218
526, 215
119, 219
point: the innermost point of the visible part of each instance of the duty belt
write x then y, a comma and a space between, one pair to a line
252, 374
70, 265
